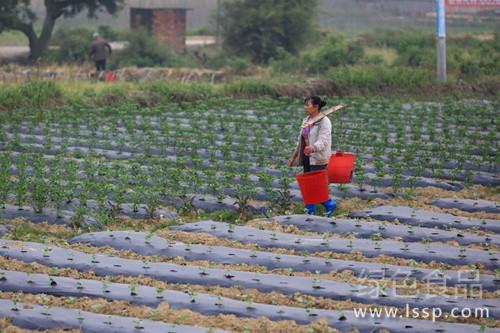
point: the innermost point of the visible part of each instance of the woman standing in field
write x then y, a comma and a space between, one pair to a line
314, 146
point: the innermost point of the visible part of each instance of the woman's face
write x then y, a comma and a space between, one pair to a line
310, 108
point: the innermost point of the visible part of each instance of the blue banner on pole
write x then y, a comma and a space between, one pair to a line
440, 17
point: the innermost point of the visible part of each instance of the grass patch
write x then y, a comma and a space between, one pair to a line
353, 80
40, 233
13, 38
222, 216
33, 94
388, 55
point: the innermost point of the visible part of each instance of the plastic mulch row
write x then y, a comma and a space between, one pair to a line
201, 303
186, 274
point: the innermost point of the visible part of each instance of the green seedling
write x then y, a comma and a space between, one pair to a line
46, 310
46, 251
192, 295
159, 292
317, 281
249, 303
108, 321
138, 324
147, 237
15, 300
133, 289
94, 259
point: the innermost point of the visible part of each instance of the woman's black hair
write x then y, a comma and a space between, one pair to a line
316, 100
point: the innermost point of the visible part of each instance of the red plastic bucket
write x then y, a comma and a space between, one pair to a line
340, 167
109, 76
313, 186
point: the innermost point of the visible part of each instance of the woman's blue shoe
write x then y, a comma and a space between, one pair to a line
310, 209
330, 207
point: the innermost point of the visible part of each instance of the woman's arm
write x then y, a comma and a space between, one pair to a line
294, 155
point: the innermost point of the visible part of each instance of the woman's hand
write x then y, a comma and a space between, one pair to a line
308, 150
294, 155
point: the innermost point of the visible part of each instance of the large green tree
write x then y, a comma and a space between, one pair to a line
258, 28
18, 15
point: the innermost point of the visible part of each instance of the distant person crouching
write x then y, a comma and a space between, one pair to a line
99, 53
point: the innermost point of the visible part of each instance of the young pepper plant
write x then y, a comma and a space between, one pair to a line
4, 179
284, 197
152, 199
243, 193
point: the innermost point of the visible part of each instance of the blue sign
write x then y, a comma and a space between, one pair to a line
440, 19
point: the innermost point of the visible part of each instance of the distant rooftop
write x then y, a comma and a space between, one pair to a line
160, 7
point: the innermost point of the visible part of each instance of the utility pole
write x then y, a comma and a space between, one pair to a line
441, 40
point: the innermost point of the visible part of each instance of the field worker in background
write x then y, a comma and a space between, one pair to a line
314, 148
99, 51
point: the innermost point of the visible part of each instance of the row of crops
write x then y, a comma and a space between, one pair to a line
163, 155
97, 207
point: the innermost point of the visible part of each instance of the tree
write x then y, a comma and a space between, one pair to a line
18, 15
258, 28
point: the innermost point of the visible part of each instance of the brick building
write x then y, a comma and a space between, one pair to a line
167, 24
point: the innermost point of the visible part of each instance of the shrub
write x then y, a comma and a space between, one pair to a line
285, 62
416, 56
465, 55
184, 60
257, 28
143, 50
111, 33
373, 59
217, 61
336, 52
207, 30
239, 65
249, 88
73, 45
398, 39
379, 78
175, 92
482, 58
33, 94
